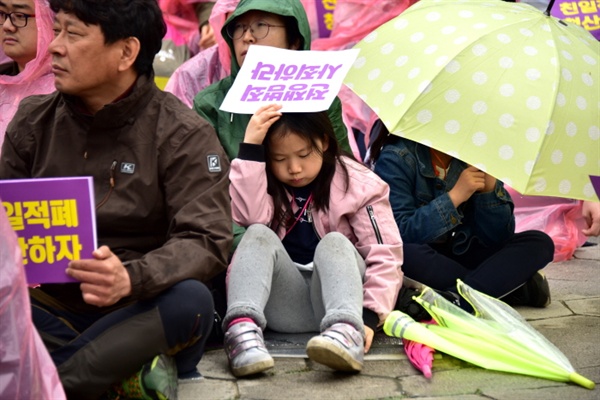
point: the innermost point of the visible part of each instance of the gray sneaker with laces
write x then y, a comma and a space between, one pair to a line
246, 350
340, 347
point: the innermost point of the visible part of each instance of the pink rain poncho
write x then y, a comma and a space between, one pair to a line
208, 66
36, 78
355, 19
180, 19
26, 369
352, 21
560, 218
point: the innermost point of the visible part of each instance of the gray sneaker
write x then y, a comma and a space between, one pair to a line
340, 347
246, 350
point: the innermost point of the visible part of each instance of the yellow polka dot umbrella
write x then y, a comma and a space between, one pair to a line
499, 85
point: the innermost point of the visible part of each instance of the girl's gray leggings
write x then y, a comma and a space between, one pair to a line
265, 285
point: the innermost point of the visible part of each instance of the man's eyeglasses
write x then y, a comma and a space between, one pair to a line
18, 19
258, 29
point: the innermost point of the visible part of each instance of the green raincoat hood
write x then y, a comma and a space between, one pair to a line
286, 8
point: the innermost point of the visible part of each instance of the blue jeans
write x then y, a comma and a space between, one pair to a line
495, 271
95, 350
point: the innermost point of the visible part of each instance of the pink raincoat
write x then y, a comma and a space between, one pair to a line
355, 19
352, 21
182, 22
36, 78
26, 369
4, 58
208, 66
560, 218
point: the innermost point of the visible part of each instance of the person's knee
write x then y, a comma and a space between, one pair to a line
259, 236
186, 310
334, 240
187, 299
540, 241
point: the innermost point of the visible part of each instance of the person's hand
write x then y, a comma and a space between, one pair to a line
104, 279
260, 123
470, 181
591, 214
489, 183
207, 37
369, 334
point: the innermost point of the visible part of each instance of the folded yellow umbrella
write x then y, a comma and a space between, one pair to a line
496, 338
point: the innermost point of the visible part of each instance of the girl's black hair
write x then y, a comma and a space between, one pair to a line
311, 127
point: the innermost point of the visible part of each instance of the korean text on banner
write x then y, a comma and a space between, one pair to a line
55, 222
301, 81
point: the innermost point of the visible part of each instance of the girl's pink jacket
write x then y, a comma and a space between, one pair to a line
376, 238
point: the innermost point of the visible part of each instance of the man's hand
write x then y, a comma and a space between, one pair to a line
260, 123
470, 181
591, 214
104, 279
369, 334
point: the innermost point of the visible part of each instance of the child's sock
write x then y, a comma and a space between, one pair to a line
238, 320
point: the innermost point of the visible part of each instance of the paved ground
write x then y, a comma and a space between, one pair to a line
571, 322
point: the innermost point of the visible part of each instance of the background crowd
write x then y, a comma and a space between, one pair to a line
141, 82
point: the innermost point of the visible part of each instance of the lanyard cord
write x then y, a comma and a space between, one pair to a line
300, 213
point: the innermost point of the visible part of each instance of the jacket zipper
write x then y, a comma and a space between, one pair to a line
111, 183
374, 223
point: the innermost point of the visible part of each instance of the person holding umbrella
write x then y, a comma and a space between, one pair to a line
457, 222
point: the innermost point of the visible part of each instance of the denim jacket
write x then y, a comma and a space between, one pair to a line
423, 209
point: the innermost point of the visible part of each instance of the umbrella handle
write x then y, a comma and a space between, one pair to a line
549, 8
581, 381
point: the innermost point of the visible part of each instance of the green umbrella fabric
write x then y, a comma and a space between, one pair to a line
496, 338
499, 85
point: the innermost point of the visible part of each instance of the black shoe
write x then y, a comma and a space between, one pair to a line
534, 293
408, 306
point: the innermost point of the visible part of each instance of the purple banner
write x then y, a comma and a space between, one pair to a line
55, 221
583, 13
325, 16
596, 184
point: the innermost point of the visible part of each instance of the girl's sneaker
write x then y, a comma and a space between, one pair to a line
340, 347
246, 350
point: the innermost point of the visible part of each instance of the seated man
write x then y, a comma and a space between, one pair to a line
162, 205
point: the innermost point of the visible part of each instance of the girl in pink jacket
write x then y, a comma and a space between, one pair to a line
322, 252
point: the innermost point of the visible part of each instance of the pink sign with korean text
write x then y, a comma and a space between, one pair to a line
301, 81
55, 222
